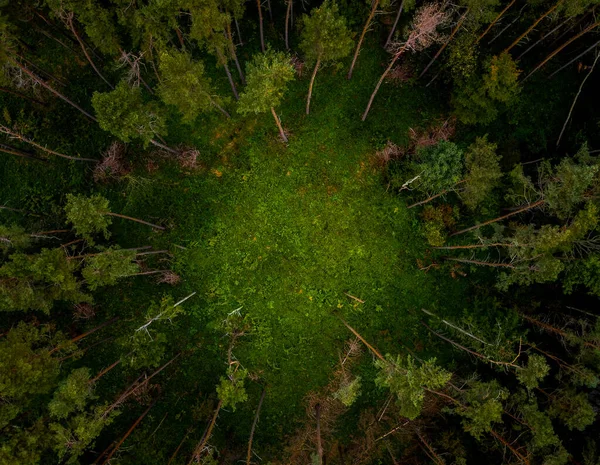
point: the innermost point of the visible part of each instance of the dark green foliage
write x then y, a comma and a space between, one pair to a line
439, 167
106, 268
482, 165
87, 214
126, 116
483, 407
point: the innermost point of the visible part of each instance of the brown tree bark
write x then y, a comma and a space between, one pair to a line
51, 89
287, 23
260, 402
19, 153
281, 132
559, 49
69, 21
474, 246
229, 38
362, 36
500, 218
433, 197
389, 39
480, 263
319, 444
200, 447
129, 431
260, 25
491, 25
21, 95
135, 219
87, 333
312, 81
587, 50
103, 372
532, 27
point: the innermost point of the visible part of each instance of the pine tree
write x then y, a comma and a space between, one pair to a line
325, 38
268, 75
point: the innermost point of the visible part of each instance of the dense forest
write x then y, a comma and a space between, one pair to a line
299, 232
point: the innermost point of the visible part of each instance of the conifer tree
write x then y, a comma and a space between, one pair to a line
325, 38
185, 85
268, 75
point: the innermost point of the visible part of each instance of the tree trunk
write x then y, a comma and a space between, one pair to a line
389, 39
129, 431
312, 81
481, 263
164, 147
281, 133
500, 218
91, 331
576, 98
555, 52
508, 26
554, 330
19, 94
363, 340
510, 447
270, 11
532, 27
381, 79
103, 372
474, 246
135, 219
207, 434
260, 402
237, 28
547, 34
495, 21
229, 77
15, 151
229, 39
219, 107
69, 20
319, 445
433, 197
587, 50
20, 137
260, 24
450, 37
362, 37
51, 89
287, 23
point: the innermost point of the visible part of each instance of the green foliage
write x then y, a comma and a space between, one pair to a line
34, 282
573, 409
231, 389
144, 349
106, 268
88, 215
532, 373
440, 167
348, 392
408, 381
325, 36
13, 237
184, 84
436, 222
477, 100
267, 75
483, 172
72, 394
124, 114
483, 407
463, 55
481, 11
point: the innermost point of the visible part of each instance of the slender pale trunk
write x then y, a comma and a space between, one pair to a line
207, 434
260, 402
281, 133
163, 146
219, 107
480, 263
500, 218
22, 138
51, 89
312, 81
381, 79
389, 39
433, 197
260, 25
229, 39
237, 28
576, 98
362, 37
129, 431
547, 34
270, 11
532, 27
82, 45
15, 151
19, 94
488, 29
587, 50
91, 331
450, 37
103, 372
287, 24
559, 49
474, 246
223, 61
134, 219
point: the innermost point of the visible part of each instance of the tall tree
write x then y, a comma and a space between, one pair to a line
268, 76
325, 38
